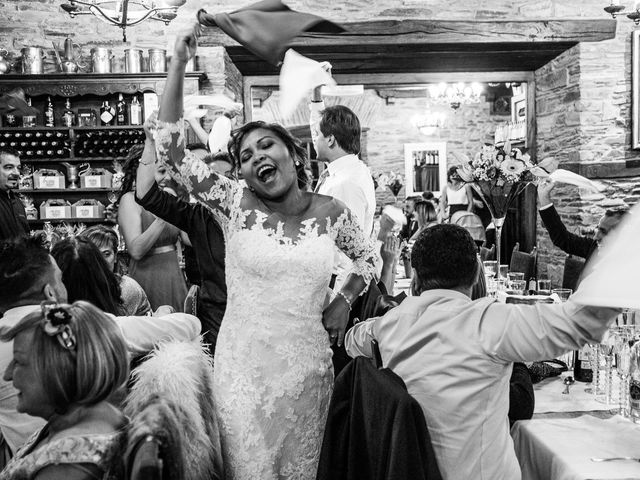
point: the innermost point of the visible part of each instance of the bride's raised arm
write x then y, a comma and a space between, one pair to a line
216, 192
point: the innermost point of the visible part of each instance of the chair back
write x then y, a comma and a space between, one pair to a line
523, 262
471, 223
573, 267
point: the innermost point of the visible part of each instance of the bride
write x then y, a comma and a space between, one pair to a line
273, 374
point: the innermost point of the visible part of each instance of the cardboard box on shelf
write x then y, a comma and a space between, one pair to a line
54, 209
47, 178
87, 208
96, 178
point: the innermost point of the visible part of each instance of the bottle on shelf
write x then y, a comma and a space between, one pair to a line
107, 113
68, 117
135, 112
29, 121
121, 111
49, 114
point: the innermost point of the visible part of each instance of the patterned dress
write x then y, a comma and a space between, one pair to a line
273, 375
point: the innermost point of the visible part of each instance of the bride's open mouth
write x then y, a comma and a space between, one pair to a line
266, 173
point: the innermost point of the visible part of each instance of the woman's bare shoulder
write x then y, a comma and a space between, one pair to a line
327, 206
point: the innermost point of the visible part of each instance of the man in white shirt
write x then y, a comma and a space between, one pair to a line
455, 355
29, 276
335, 132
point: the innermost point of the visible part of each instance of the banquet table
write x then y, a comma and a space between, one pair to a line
566, 431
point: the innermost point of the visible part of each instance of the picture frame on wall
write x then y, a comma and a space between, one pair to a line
425, 168
518, 108
635, 89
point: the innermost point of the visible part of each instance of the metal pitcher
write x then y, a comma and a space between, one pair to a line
133, 60
32, 60
101, 60
157, 60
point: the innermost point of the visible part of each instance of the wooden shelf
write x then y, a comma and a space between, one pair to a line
60, 220
65, 191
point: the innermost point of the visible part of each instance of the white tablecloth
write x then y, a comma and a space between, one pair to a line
561, 448
549, 396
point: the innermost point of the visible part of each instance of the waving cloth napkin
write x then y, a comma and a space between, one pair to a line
613, 278
267, 28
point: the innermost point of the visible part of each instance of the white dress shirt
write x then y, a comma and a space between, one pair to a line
142, 334
456, 355
349, 180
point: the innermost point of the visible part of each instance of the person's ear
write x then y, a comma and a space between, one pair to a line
331, 141
417, 286
49, 293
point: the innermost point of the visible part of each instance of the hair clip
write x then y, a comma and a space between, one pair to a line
56, 323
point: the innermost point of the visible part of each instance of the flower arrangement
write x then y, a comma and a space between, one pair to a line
393, 181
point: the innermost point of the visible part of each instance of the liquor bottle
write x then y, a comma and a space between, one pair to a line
107, 113
582, 365
28, 121
135, 112
68, 117
533, 286
121, 111
49, 115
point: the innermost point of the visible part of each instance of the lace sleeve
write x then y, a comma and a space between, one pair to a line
350, 238
218, 193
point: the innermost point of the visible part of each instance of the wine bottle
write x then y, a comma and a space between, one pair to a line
121, 111
582, 365
29, 121
533, 286
49, 114
68, 117
135, 112
107, 113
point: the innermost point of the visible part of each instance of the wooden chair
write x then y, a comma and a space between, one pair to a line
488, 253
523, 262
573, 267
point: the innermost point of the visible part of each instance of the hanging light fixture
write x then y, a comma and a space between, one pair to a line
455, 94
614, 8
125, 13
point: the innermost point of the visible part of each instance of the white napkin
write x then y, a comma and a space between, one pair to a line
613, 278
565, 176
220, 134
222, 102
395, 214
298, 76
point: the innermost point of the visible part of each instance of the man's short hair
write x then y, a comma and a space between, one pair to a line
9, 151
25, 268
445, 256
93, 372
344, 125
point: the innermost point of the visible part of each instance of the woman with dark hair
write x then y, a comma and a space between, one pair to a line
273, 375
134, 298
87, 276
457, 195
151, 242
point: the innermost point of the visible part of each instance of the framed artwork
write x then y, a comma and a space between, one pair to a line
635, 89
518, 108
425, 167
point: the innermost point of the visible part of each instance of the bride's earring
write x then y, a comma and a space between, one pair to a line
297, 163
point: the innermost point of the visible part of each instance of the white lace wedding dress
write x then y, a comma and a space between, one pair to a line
273, 374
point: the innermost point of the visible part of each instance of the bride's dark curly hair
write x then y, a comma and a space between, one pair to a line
296, 150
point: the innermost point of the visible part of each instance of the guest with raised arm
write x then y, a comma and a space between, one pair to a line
151, 242
272, 375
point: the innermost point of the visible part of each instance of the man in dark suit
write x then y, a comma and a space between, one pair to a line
411, 226
13, 219
566, 241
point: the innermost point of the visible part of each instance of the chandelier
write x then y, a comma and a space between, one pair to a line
125, 13
428, 124
615, 9
455, 94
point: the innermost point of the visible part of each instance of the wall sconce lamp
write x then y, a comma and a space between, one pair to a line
615, 9
428, 124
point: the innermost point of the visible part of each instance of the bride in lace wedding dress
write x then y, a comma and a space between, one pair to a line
272, 369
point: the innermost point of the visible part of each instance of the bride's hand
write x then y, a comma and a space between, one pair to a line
187, 44
334, 318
